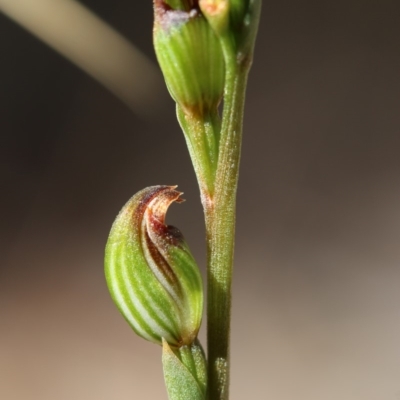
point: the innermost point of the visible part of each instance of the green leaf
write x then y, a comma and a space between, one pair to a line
185, 372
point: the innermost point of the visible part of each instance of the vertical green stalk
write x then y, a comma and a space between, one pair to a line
220, 209
220, 215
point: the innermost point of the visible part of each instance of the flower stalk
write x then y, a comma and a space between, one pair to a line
220, 216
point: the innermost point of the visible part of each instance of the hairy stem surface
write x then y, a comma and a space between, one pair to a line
220, 209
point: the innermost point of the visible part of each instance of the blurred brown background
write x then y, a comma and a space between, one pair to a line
317, 274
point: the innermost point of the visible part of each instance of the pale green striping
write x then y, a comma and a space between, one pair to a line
176, 54
164, 310
185, 43
137, 293
140, 307
175, 78
191, 282
161, 44
177, 51
142, 296
119, 297
192, 62
138, 310
166, 60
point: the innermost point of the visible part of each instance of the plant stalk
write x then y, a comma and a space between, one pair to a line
220, 216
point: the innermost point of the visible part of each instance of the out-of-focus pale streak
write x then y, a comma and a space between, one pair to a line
75, 32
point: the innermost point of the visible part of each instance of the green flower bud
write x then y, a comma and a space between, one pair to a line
235, 21
189, 55
150, 272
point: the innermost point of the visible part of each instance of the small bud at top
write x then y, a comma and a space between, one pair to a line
189, 55
217, 14
150, 272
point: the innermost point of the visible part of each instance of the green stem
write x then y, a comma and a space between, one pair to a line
220, 209
198, 133
220, 212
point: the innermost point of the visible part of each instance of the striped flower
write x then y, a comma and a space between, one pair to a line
150, 272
